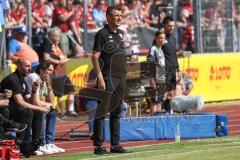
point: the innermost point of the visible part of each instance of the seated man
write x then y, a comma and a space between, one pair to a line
20, 109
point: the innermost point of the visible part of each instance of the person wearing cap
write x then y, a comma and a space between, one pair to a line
18, 47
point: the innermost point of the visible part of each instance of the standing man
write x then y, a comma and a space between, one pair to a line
171, 63
109, 49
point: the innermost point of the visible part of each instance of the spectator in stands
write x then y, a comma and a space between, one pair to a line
49, 51
188, 6
64, 19
181, 25
131, 13
156, 13
91, 24
74, 25
39, 23
18, 12
18, 47
9, 21
38, 16
213, 21
187, 43
99, 13
172, 71
44, 124
48, 10
21, 100
156, 55
146, 5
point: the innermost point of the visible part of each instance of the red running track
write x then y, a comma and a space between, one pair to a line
85, 144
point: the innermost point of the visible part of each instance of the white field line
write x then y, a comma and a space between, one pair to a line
235, 131
129, 142
152, 151
234, 125
136, 142
234, 120
148, 141
186, 152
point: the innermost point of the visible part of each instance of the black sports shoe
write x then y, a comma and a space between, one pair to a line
16, 127
25, 148
35, 145
118, 149
100, 150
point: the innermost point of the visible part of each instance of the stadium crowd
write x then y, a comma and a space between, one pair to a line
68, 16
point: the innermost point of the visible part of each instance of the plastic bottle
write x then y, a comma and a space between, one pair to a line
177, 134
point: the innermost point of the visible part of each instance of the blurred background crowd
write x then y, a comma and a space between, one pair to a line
215, 16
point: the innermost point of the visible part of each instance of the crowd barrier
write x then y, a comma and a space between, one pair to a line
203, 125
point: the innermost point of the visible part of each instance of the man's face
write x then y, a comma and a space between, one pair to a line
25, 68
115, 18
169, 27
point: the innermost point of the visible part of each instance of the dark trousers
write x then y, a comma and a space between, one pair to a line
22, 115
4, 119
113, 99
37, 125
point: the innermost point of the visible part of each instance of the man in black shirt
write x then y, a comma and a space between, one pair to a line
109, 49
20, 109
171, 63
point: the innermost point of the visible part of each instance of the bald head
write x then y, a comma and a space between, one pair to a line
22, 61
23, 66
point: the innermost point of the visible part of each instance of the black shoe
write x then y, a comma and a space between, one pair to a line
25, 148
35, 145
16, 127
118, 149
100, 150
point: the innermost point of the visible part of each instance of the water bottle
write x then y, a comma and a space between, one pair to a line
177, 134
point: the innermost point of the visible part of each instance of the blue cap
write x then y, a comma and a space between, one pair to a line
21, 29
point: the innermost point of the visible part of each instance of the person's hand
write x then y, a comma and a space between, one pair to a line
44, 109
48, 105
4, 102
101, 85
8, 93
178, 76
35, 86
47, 79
